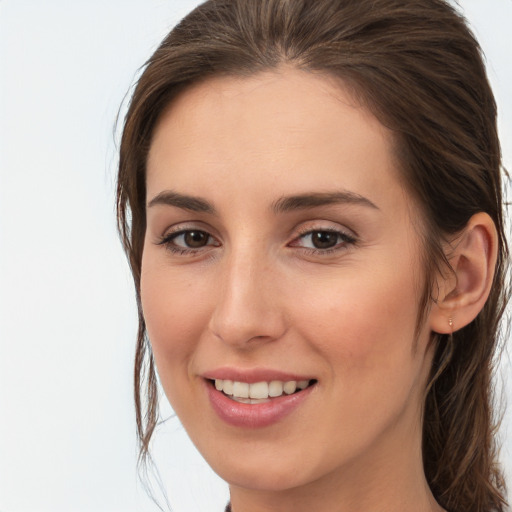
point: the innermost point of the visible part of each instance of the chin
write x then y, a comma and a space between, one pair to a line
267, 478
267, 469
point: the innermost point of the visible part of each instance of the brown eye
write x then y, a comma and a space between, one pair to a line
195, 239
188, 241
324, 239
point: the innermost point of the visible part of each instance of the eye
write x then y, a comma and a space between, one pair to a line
191, 239
188, 240
323, 240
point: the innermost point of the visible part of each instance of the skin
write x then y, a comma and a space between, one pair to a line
258, 294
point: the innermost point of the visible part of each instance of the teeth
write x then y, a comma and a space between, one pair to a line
249, 400
290, 387
226, 386
275, 388
252, 393
241, 389
258, 390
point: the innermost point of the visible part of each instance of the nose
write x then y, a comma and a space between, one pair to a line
248, 307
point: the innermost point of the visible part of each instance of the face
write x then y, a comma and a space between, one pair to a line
282, 253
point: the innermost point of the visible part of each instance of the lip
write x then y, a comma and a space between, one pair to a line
253, 375
253, 415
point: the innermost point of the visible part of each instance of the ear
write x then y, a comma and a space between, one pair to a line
463, 292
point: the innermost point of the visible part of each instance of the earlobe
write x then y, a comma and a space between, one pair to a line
463, 292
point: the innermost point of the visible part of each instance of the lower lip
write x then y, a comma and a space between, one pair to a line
254, 415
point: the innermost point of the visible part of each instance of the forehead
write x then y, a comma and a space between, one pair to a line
286, 131
266, 102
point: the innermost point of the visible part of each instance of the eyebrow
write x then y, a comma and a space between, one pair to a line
282, 205
306, 201
191, 203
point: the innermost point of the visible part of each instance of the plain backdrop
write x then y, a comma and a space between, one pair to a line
67, 312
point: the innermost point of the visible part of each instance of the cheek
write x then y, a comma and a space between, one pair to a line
374, 375
364, 325
174, 313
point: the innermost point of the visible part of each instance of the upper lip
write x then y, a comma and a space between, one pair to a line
253, 375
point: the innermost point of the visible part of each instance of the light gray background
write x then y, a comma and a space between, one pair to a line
67, 314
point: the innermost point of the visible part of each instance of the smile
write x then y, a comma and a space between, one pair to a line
257, 404
259, 392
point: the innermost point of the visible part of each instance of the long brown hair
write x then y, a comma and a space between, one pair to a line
418, 68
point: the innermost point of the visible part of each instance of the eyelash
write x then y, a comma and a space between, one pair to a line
344, 239
168, 242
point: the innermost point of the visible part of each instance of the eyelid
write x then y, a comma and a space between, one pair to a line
348, 237
173, 232
319, 225
181, 232
181, 227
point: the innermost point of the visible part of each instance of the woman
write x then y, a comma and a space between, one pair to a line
309, 195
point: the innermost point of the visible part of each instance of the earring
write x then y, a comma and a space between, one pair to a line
450, 323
